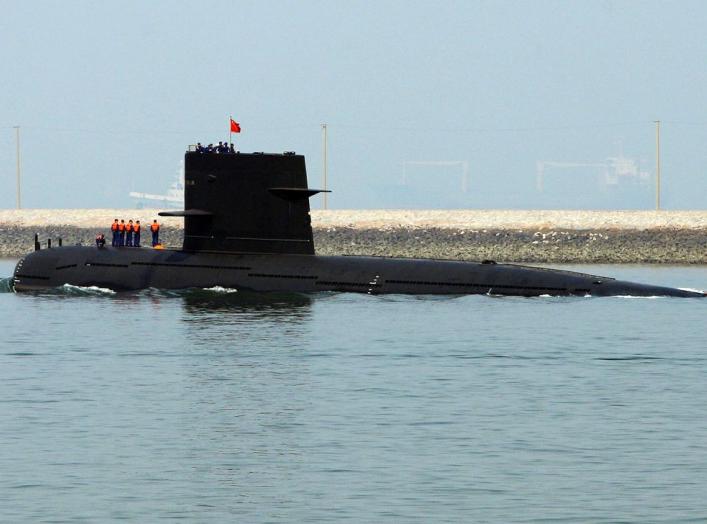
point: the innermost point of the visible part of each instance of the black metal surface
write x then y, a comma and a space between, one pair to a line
131, 268
246, 217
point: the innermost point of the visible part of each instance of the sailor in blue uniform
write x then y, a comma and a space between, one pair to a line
114, 230
136, 231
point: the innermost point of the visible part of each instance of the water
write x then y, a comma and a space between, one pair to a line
215, 406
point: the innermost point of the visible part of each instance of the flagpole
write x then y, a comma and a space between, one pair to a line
230, 132
324, 162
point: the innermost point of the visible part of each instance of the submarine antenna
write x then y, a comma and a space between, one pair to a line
324, 163
19, 193
657, 165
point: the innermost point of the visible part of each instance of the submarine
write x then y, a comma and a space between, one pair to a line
247, 226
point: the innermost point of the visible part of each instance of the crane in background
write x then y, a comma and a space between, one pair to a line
614, 169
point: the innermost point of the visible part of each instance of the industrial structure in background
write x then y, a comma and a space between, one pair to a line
613, 171
173, 199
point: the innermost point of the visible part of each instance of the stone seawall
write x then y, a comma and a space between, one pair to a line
518, 236
556, 246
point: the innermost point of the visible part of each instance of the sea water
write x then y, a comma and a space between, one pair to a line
224, 406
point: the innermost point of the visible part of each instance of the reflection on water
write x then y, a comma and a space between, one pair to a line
240, 319
267, 305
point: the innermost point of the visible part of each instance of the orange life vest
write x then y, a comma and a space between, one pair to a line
114, 226
121, 227
136, 228
154, 227
129, 227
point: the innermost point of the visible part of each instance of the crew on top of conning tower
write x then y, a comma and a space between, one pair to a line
223, 148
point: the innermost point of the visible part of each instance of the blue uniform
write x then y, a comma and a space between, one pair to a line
155, 228
116, 238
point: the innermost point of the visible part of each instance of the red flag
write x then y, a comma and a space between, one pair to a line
235, 126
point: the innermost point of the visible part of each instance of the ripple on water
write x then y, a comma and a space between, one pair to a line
222, 406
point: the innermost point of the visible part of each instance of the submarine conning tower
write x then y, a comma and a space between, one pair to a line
246, 203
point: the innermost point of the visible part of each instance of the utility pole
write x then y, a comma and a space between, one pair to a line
19, 193
657, 165
324, 162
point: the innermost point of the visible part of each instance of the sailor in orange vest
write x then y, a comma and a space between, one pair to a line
129, 234
114, 229
121, 233
155, 228
136, 232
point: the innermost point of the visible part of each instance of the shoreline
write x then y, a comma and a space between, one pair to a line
394, 218
586, 237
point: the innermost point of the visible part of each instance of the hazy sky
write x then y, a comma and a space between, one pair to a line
109, 94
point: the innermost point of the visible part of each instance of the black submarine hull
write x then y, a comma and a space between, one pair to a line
125, 269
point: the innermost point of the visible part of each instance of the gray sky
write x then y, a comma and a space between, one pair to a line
109, 94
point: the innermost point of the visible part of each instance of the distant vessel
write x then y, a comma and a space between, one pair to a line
247, 226
174, 197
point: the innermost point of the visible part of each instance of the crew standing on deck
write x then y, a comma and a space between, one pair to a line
121, 233
129, 234
155, 228
136, 232
114, 230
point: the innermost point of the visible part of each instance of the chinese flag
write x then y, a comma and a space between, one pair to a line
235, 126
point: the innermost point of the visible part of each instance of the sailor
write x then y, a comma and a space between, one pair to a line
155, 228
129, 234
121, 233
231, 149
100, 240
114, 229
199, 147
219, 148
136, 233
210, 148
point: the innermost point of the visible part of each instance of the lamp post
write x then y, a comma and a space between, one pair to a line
19, 191
657, 165
324, 162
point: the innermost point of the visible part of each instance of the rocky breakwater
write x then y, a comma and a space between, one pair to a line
512, 236
669, 237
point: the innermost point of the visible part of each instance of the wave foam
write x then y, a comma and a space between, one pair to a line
87, 290
6, 285
693, 290
220, 289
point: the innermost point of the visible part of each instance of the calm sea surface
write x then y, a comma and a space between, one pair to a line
211, 406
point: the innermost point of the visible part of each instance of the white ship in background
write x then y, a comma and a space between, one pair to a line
174, 197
